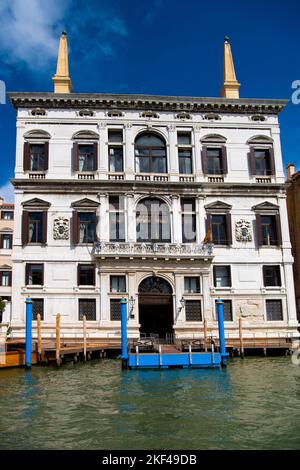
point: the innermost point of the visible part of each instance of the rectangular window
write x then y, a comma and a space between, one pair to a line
274, 310
115, 310
87, 307
193, 310
219, 229
7, 215
37, 308
185, 153
87, 227
268, 228
35, 227
86, 157
117, 284
188, 220
222, 276
34, 274
6, 241
192, 285
115, 151
214, 161
227, 310
262, 162
116, 219
86, 274
37, 157
271, 276
5, 277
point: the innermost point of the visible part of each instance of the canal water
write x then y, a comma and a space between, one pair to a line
253, 404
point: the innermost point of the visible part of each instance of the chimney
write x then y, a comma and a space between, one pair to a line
290, 170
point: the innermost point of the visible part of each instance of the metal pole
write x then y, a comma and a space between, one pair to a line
28, 341
124, 355
221, 332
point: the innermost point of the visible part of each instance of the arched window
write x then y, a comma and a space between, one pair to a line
85, 151
153, 221
150, 154
36, 151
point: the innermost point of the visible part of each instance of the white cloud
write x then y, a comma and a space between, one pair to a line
7, 192
29, 31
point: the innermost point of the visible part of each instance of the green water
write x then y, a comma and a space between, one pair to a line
253, 404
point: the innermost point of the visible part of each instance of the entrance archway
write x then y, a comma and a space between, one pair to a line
155, 307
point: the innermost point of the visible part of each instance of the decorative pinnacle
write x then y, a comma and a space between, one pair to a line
226, 39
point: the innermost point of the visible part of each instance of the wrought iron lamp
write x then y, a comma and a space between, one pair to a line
131, 303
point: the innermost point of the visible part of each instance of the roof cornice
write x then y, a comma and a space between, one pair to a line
145, 102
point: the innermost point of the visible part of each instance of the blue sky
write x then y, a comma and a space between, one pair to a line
166, 47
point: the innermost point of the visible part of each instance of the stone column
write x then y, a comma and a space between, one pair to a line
103, 218
103, 151
173, 154
129, 160
200, 216
207, 310
197, 154
131, 222
176, 219
104, 299
290, 294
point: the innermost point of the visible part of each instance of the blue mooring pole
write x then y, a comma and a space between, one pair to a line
222, 341
28, 342
124, 355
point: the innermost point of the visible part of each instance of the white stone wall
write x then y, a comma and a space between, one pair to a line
60, 290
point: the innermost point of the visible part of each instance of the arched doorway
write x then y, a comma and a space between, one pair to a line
155, 307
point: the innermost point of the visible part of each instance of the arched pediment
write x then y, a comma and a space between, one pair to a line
260, 139
213, 138
150, 139
85, 135
85, 204
37, 134
36, 203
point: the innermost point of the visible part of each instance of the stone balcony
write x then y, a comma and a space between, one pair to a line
153, 250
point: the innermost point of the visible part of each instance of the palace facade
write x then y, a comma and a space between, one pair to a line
170, 202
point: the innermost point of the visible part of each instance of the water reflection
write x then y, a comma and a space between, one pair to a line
252, 404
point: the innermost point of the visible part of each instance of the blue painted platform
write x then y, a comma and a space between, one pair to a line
152, 360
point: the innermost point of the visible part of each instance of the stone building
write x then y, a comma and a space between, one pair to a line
293, 205
6, 240
168, 201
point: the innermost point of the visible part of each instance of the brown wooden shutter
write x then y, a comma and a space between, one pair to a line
75, 228
10, 241
1, 241
204, 160
95, 226
42, 274
224, 160
27, 269
46, 156
78, 275
259, 230
272, 161
75, 157
26, 157
44, 227
252, 165
25, 228
94, 278
9, 278
208, 222
95, 156
228, 229
278, 230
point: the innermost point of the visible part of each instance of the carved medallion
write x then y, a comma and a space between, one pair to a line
61, 228
243, 231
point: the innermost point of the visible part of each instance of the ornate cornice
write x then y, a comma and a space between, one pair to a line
145, 102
